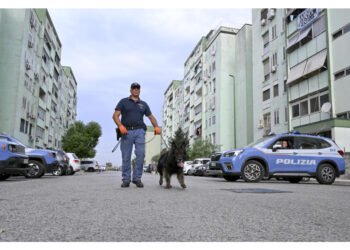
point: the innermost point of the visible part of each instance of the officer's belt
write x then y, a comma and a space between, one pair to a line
134, 127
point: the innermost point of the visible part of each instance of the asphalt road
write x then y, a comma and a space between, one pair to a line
92, 207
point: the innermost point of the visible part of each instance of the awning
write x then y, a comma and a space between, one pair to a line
315, 62
294, 41
307, 67
304, 34
296, 72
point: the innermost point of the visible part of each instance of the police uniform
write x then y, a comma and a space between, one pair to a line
132, 112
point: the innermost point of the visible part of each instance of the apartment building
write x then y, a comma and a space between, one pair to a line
172, 114
38, 95
152, 146
302, 52
269, 72
214, 101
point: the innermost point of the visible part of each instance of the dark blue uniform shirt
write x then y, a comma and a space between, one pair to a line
132, 112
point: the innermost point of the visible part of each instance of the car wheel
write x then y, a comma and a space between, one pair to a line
253, 171
325, 174
295, 179
58, 171
4, 177
69, 171
36, 169
231, 178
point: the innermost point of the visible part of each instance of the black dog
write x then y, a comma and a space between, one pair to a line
172, 161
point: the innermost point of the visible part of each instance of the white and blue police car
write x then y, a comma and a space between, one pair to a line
291, 156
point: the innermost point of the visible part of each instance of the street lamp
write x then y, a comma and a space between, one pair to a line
234, 110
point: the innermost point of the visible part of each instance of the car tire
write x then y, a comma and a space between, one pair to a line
252, 171
231, 178
69, 171
325, 174
295, 179
58, 172
36, 169
4, 177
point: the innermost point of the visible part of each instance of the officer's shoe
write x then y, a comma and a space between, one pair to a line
125, 184
138, 184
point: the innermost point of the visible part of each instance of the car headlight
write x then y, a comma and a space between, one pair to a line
12, 148
233, 153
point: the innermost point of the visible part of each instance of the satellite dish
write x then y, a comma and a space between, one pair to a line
326, 107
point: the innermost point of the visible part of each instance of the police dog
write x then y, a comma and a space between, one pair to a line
172, 161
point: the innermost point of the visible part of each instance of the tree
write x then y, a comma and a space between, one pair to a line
108, 164
82, 139
202, 149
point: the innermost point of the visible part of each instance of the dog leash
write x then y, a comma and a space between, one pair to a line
116, 146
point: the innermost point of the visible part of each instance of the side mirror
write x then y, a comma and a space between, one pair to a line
276, 147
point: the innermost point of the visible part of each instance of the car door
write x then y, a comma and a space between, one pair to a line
282, 159
310, 153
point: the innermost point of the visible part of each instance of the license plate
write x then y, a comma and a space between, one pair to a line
213, 164
25, 161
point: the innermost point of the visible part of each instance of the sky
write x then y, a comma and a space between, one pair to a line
108, 49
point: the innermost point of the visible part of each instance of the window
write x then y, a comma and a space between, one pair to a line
21, 128
214, 85
274, 32
266, 95
285, 113
274, 59
198, 109
295, 110
267, 123
342, 73
264, 14
213, 67
342, 31
304, 108
306, 143
285, 85
209, 121
319, 26
275, 90
213, 120
26, 130
41, 114
24, 103
266, 69
314, 105
266, 44
277, 116
324, 99
346, 28
284, 53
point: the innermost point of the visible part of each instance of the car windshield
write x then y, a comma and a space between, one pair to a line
13, 139
259, 143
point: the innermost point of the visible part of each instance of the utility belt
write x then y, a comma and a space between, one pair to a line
135, 127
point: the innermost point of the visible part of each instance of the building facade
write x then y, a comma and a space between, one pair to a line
152, 147
214, 101
304, 53
38, 96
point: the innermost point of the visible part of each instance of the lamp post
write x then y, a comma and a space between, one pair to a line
234, 110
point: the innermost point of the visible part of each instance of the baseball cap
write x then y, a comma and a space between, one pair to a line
135, 85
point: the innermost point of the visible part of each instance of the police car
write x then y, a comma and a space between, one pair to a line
291, 156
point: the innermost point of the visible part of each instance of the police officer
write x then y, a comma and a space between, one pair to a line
133, 131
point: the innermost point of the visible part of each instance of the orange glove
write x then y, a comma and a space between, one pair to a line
123, 130
157, 131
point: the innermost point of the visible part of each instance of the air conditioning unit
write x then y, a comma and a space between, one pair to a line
273, 68
263, 22
261, 124
31, 138
271, 14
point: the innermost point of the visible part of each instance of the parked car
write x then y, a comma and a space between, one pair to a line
200, 170
301, 156
40, 161
214, 167
89, 165
63, 160
74, 164
199, 162
187, 166
13, 160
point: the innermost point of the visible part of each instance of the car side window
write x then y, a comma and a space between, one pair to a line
324, 144
307, 143
284, 143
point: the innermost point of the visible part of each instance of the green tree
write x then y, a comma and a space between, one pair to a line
108, 164
202, 149
82, 139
